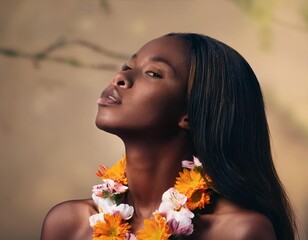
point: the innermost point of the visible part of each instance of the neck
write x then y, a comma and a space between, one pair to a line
152, 167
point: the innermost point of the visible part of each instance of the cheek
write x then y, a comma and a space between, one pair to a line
159, 106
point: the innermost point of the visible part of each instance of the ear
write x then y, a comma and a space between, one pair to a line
183, 122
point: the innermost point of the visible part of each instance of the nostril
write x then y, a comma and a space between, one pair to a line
121, 83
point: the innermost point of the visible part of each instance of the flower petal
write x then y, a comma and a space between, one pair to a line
183, 215
197, 162
125, 210
130, 236
188, 164
95, 198
106, 205
181, 228
96, 217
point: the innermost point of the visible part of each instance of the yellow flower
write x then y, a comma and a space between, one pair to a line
155, 229
192, 185
116, 173
189, 181
111, 229
198, 200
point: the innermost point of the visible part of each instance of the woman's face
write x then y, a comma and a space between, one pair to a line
148, 93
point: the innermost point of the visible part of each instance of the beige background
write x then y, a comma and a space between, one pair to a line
49, 145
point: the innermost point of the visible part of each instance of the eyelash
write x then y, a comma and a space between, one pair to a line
125, 67
152, 74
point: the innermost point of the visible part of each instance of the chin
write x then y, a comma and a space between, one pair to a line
100, 124
104, 126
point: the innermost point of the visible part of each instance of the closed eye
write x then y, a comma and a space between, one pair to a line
153, 74
125, 67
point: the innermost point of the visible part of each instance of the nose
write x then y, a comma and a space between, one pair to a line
121, 81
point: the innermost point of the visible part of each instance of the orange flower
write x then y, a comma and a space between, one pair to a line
116, 173
198, 200
155, 229
192, 185
112, 229
190, 181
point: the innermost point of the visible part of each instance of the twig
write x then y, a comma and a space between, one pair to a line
44, 55
99, 49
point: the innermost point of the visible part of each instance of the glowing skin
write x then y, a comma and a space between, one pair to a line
145, 106
148, 94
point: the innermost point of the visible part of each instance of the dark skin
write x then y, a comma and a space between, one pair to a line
150, 117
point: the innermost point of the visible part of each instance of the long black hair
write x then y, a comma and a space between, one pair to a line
230, 132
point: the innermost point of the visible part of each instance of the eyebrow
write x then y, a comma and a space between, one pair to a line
160, 60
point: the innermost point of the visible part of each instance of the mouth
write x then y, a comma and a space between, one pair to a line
110, 96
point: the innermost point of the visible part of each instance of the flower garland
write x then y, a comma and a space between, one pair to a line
173, 217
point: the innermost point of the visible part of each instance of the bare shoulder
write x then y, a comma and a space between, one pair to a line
252, 225
69, 220
235, 224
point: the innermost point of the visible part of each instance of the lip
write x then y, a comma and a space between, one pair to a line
110, 96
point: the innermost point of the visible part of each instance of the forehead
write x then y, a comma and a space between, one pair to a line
175, 50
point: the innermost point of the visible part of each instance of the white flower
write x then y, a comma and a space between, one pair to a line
125, 210
184, 212
178, 216
96, 217
108, 206
172, 200
105, 205
97, 200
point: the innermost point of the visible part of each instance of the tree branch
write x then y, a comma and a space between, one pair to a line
44, 55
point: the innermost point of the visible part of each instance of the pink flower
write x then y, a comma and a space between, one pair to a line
188, 164
180, 221
97, 190
178, 216
108, 187
183, 227
192, 164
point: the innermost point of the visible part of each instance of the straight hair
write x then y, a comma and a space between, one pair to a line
230, 132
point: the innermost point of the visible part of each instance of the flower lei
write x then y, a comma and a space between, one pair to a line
173, 217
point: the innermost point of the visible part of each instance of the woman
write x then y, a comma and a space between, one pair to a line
182, 97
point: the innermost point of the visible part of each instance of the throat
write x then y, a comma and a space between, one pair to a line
144, 203
137, 222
